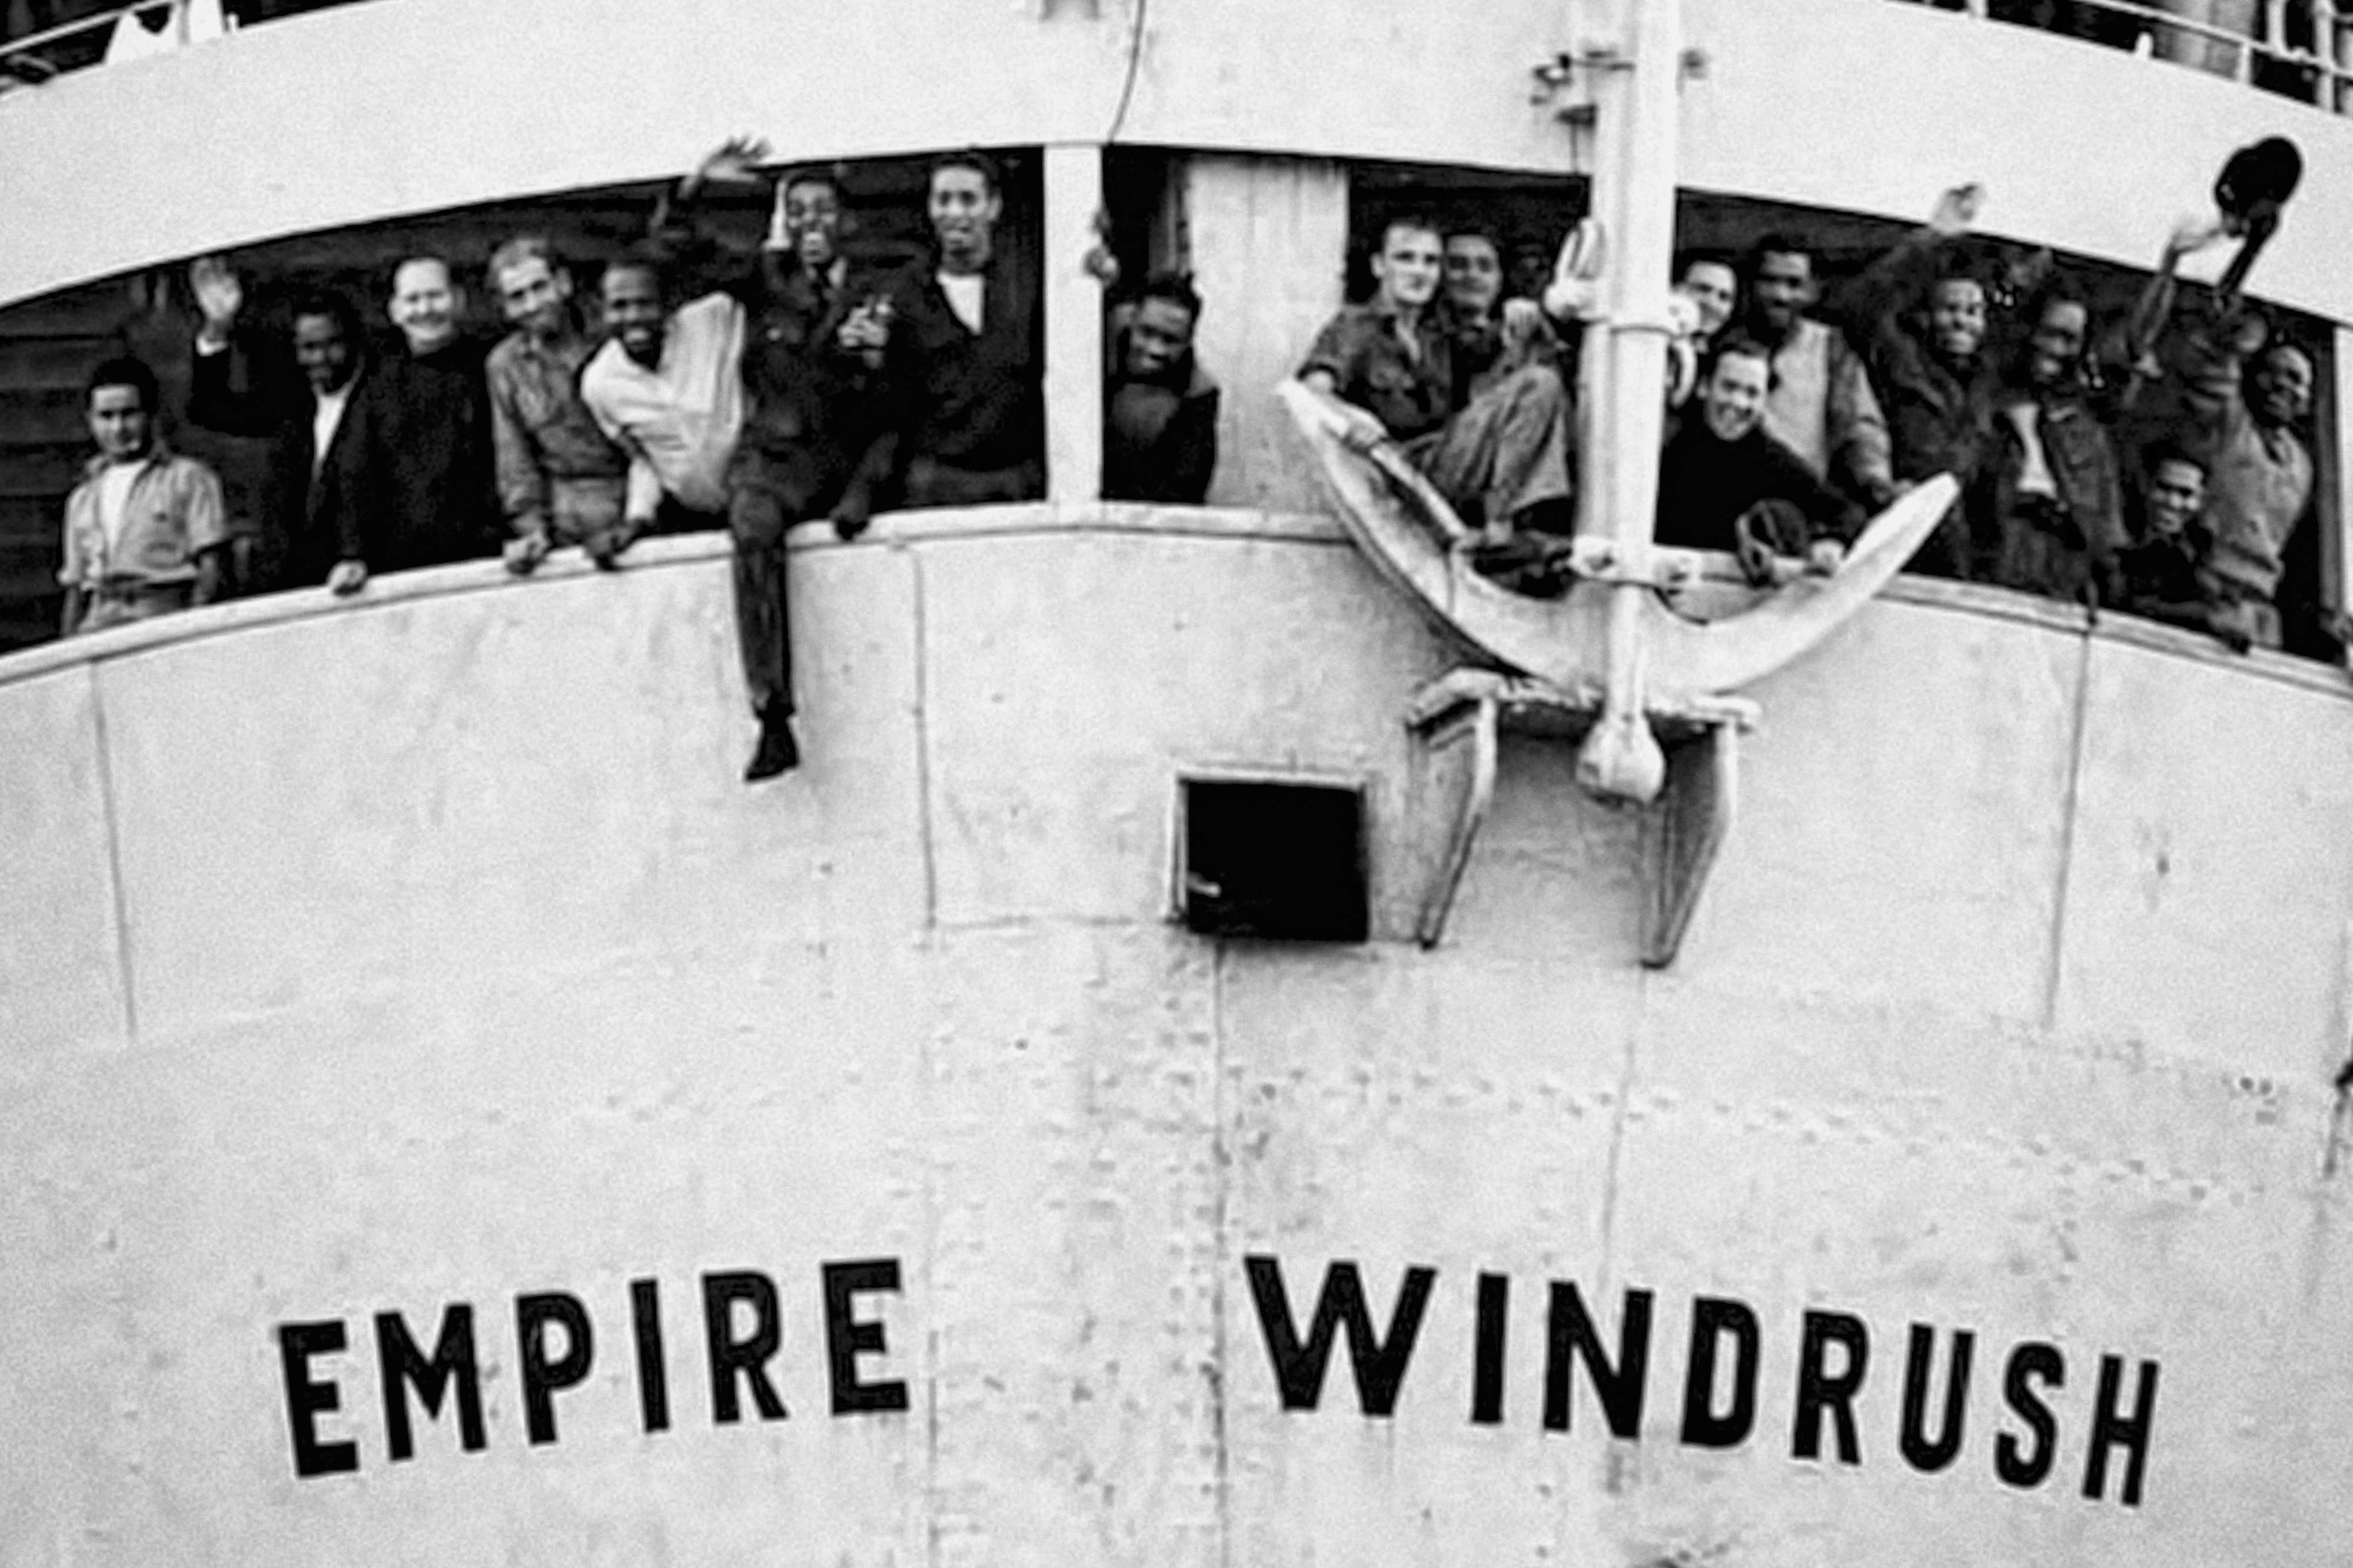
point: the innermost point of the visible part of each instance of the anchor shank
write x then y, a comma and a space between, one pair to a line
1625, 385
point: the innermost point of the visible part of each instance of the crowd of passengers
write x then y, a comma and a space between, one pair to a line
700, 392
704, 392
2089, 473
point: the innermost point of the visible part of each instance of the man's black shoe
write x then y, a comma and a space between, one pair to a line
777, 752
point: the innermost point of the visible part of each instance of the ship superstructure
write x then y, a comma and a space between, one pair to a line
448, 1116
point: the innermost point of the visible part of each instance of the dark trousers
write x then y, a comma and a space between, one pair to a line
674, 516
119, 604
767, 492
931, 482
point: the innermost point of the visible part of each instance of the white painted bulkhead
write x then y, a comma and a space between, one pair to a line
394, 106
426, 950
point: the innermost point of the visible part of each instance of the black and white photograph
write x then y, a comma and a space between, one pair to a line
1175, 783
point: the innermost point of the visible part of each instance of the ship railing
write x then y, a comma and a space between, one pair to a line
31, 58
2253, 41
35, 55
2320, 72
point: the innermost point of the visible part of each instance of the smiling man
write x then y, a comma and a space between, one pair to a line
2161, 569
560, 480
2260, 483
959, 344
2049, 498
1725, 483
144, 533
414, 465
1822, 405
1471, 299
1503, 462
1160, 411
667, 389
1924, 321
815, 441
1713, 286
244, 384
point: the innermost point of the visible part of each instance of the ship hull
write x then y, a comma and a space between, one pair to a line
397, 988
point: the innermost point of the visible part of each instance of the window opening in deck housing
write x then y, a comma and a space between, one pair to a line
1260, 859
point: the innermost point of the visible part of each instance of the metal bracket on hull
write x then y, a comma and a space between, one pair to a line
1683, 829
1475, 718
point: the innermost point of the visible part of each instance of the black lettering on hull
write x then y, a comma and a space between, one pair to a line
1378, 1360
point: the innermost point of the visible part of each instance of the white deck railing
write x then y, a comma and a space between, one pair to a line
2302, 48
35, 53
31, 57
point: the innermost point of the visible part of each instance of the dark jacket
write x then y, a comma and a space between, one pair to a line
1705, 483
1160, 438
816, 412
1473, 347
253, 388
2160, 578
803, 387
414, 458
1938, 421
964, 399
2067, 549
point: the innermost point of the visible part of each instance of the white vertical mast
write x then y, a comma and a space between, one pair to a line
1634, 196
1636, 95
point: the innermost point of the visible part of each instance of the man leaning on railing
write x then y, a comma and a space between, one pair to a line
293, 396
144, 533
560, 480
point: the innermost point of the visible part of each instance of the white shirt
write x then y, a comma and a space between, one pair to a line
114, 483
679, 420
326, 414
1797, 409
2034, 476
963, 292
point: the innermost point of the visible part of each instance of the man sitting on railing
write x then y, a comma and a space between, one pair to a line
416, 463
560, 480
814, 441
1160, 409
1503, 462
144, 533
1822, 406
1725, 483
1470, 301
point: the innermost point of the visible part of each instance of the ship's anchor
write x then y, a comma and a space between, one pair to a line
1650, 692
